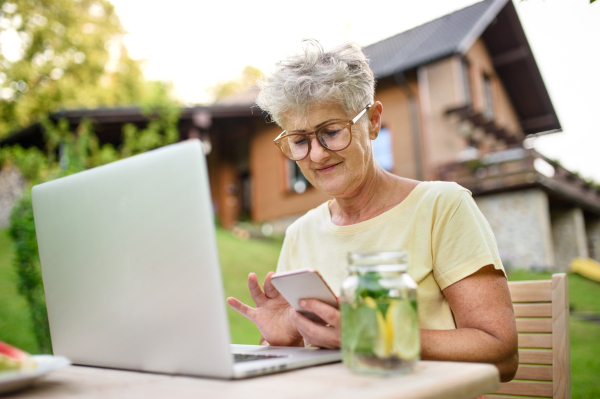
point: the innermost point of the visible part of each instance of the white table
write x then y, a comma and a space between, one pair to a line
447, 380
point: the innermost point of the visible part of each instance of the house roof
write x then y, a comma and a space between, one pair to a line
494, 21
451, 34
109, 121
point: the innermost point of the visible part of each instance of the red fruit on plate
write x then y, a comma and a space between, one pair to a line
12, 358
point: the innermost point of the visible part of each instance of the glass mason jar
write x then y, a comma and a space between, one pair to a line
380, 327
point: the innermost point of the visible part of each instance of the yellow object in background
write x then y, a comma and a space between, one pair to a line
586, 267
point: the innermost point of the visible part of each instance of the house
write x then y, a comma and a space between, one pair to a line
460, 95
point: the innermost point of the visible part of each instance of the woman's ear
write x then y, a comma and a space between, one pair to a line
375, 119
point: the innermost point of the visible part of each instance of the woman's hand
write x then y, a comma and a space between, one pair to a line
324, 336
271, 315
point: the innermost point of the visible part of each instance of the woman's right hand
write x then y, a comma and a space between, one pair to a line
271, 315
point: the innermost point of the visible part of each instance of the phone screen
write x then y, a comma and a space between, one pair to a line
304, 284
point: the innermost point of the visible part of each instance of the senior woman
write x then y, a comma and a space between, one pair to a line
324, 101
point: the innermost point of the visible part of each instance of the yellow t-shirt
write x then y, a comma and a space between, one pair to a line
438, 224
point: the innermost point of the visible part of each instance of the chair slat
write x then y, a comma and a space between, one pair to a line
541, 341
535, 356
533, 309
534, 325
541, 373
528, 388
540, 306
530, 291
560, 338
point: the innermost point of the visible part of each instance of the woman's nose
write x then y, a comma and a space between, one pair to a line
317, 151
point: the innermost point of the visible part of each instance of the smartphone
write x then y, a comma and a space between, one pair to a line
304, 284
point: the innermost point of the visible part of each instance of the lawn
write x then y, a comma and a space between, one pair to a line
239, 257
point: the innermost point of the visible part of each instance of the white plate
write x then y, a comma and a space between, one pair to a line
13, 380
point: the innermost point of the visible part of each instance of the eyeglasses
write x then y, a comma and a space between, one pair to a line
335, 136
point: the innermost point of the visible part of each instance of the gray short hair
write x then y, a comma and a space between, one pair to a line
340, 75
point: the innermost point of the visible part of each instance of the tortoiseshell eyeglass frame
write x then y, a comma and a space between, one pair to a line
349, 123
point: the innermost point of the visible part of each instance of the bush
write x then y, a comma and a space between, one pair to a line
22, 232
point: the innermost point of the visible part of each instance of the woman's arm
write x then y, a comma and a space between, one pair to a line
486, 329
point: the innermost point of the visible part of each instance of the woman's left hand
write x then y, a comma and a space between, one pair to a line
317, 334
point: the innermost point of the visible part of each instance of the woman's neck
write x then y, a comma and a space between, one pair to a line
379, 192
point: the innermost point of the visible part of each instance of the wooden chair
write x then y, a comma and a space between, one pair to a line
542, 314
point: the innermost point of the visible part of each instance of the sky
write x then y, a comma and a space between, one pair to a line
195, 44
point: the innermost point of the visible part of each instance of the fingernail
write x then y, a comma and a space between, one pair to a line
291, 312
302, 302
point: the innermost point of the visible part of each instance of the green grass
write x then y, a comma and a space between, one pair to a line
584, 296
585, 358
238, 259
15, 321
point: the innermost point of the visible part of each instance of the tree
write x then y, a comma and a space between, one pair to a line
246, 80
59, 54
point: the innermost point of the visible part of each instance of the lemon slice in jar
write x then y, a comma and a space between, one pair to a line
383, 342
404, 326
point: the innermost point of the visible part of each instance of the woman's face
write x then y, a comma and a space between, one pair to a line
338, 173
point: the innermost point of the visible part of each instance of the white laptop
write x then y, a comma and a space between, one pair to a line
131, 271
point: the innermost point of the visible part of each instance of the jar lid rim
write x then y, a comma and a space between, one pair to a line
382, 268
377, 257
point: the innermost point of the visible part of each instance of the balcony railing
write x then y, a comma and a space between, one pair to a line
520, 168
466, 113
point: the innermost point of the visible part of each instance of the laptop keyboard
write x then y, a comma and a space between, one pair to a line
239, 357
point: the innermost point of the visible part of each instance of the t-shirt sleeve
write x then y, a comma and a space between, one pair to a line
462, 242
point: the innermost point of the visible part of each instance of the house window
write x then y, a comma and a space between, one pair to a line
465, 81
488, 110
296, 182
382, 148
